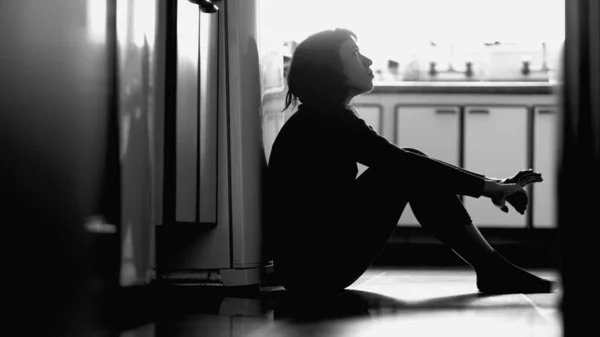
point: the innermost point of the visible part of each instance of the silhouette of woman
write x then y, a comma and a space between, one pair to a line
327, 226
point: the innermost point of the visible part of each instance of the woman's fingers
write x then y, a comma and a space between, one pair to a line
530, 179
500, 203
509, 192
526, 177
519, 201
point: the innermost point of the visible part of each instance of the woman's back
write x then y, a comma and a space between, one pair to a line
312, 161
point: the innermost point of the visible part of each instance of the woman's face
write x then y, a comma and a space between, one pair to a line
356, 68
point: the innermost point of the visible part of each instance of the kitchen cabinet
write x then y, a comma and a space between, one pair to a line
434, 130
545, 145
497, 129
495, 144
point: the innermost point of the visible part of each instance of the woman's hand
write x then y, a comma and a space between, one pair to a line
523, 178
499, 192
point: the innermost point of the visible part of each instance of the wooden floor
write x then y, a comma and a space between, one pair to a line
383, 302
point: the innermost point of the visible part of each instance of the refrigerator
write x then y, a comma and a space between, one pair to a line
213, 159
132, 150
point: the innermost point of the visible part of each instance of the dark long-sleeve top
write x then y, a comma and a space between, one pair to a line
313, 162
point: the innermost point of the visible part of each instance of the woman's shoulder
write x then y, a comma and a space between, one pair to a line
318, 118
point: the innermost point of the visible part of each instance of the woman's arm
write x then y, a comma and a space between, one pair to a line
370, 149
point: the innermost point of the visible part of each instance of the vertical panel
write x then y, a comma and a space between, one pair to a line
187, 111
158, 123
496, 146
208, 117
194, 248
544, 161
248, 161
136, 27
432, 130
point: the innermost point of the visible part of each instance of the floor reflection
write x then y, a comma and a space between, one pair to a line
209, 311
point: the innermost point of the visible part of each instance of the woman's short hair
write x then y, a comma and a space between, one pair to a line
316, 71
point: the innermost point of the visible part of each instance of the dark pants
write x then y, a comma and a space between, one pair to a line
333, 255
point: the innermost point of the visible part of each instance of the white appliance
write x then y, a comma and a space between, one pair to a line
211, 229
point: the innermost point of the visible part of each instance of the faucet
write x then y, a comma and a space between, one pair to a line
469, 69
525, 68
432, 70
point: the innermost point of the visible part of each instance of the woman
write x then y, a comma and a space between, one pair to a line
327, 226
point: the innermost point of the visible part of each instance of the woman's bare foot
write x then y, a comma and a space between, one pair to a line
499, 276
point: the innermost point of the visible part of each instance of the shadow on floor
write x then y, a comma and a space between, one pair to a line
175, 310
353, 303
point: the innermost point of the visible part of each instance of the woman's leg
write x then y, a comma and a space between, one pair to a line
444, 216
342, 247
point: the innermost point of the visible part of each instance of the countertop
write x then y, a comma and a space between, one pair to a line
466, 87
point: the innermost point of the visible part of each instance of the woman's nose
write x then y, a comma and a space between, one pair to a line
367, 61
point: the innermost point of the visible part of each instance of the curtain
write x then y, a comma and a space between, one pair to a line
578, 188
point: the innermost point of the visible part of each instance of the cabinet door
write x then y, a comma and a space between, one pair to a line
544, 161
433, 130
495, 145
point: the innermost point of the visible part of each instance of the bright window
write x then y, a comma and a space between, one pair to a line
496, 36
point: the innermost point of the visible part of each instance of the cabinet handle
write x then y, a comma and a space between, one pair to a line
546, 111
445, 111
479, 111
